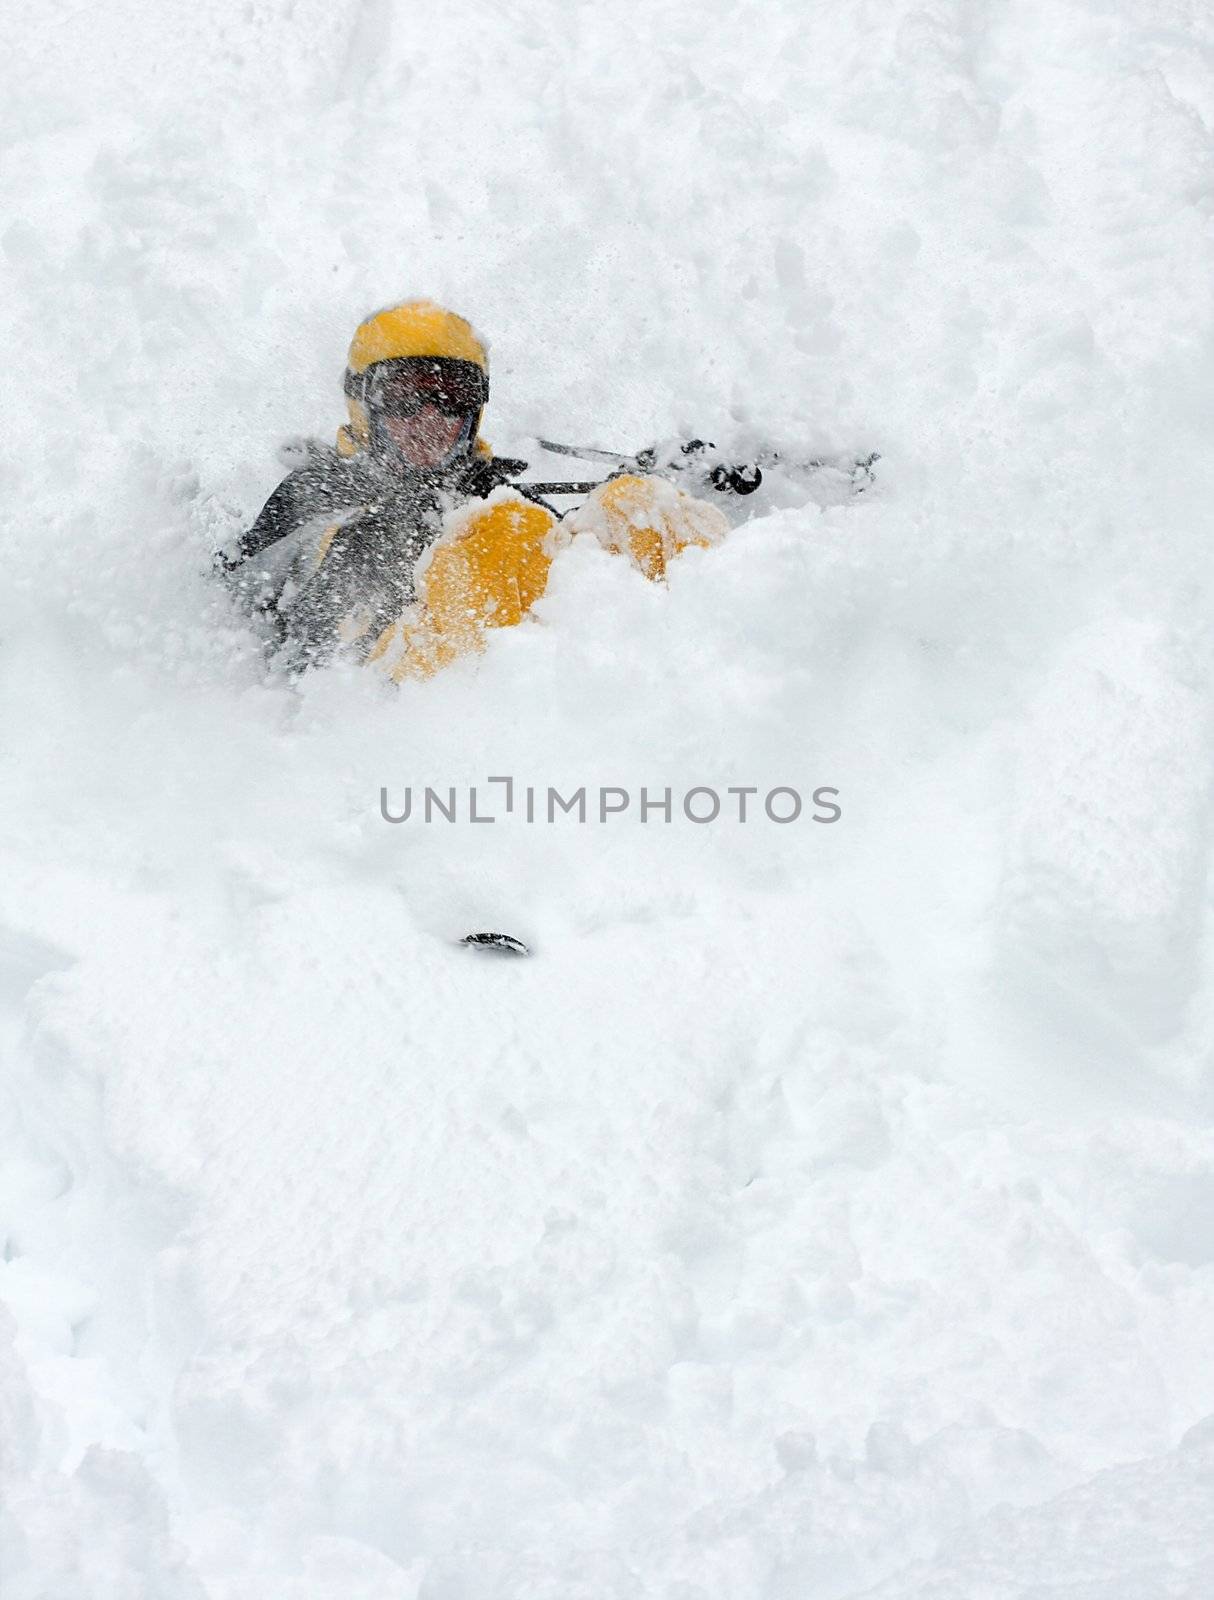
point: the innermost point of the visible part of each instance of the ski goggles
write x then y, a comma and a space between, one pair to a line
402, 387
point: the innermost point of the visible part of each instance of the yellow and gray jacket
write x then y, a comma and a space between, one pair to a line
410, 574
330, 559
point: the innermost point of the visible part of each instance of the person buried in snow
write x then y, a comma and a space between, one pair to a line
404, 544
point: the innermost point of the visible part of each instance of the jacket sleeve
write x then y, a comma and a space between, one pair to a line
323, 484
280, 516
486, 571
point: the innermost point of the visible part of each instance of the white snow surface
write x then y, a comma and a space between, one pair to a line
824, 1210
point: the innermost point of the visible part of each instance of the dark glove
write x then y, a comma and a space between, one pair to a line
482, 476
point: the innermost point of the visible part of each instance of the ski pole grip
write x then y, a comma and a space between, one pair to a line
743, 479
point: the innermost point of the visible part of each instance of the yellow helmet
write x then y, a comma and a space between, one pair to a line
424, 336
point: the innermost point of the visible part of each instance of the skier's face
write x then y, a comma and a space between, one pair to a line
426, 404
426, 438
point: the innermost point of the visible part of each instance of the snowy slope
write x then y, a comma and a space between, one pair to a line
826, 1209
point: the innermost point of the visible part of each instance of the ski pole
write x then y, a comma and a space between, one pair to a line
741, 479
563, 488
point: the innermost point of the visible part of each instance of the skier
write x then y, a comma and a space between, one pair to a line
409, 540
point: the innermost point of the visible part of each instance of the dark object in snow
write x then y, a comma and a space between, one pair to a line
498, 943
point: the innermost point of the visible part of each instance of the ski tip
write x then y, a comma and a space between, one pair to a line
496, 943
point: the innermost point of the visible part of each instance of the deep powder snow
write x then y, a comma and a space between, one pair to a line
825, 1209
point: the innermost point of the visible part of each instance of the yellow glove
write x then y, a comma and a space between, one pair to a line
647, 519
